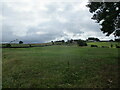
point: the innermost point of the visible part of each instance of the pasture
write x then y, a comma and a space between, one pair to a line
99, 44
60, 67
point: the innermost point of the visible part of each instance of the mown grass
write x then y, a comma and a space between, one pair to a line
60, 66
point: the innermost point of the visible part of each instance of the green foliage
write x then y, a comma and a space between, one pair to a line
117, 40
81, 43
92, 38
52, 42
117, 33
63, 41
8, 45
20, 42
108, 15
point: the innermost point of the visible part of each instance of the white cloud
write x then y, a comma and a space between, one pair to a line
40, 33
61, 19
47, 20
43, 0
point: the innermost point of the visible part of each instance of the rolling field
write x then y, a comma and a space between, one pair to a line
60, 67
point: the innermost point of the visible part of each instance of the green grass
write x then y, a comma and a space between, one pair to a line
60, 66
0, 68
103, 44
89, 44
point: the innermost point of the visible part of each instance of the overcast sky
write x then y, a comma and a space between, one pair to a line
44, 21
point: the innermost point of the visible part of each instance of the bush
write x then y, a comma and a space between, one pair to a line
20, 42
105, 47
117, 40
117, 46
81, 43
94, 46
8, 45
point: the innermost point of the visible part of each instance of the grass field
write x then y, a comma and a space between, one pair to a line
104, 44
60, 66
89, 44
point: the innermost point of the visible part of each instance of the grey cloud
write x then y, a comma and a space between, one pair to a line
78, 23
7, 34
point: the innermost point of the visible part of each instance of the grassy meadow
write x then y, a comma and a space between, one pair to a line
99, 44
60, 66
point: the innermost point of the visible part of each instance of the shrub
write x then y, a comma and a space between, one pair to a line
117, 40
117, 46
20, 42
8, 45
94, 46
52, 42
105, 47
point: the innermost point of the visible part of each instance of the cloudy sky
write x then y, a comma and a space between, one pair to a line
44, 21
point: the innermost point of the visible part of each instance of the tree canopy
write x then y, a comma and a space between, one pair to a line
107, 14
92, 38
81, 43
20, 42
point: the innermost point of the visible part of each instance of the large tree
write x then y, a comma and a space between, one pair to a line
20, 42
107, 14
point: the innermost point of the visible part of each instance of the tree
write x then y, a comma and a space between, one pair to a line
8, 45
107, 14
81, 43
20, 42
71, 41
63, 41
92, 38
52, 42
117, 40
97, 39
111, 40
